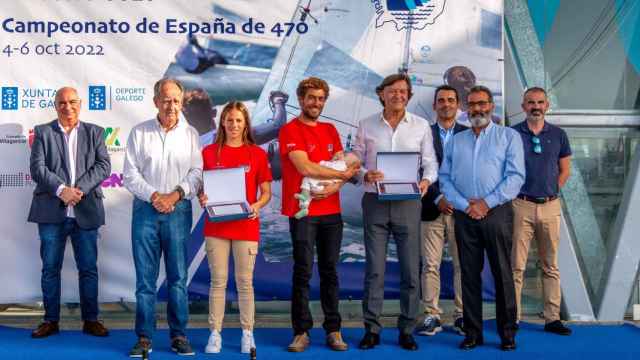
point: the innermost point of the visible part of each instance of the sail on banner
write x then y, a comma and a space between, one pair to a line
114, 51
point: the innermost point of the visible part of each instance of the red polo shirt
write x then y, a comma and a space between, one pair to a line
257, 171
320, 142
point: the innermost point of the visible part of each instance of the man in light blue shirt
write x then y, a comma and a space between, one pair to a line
482, 171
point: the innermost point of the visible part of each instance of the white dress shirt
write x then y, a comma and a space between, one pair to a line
71, 142
159, 160
413, 134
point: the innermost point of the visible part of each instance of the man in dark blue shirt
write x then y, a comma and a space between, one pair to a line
537, 209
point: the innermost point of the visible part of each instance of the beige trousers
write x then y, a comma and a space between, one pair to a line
244, 259
434, 235
539, 222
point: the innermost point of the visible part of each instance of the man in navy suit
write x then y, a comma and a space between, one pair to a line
438, 223
69, 161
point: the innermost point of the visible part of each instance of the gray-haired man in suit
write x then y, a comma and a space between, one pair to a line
69, 161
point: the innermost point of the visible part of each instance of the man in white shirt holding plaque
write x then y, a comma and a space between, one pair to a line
163, 170
393, 130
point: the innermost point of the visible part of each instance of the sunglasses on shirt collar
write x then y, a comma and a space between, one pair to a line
537, 145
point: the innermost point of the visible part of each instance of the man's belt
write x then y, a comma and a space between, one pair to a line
537, 200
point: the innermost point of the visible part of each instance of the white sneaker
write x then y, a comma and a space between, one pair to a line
247, 342
214, 345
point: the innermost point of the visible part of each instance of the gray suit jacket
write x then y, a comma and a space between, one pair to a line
48, 166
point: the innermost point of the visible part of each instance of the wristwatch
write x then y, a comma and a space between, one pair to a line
180, 191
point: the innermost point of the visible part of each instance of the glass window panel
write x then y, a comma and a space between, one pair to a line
600, 166
634, 298
594, 48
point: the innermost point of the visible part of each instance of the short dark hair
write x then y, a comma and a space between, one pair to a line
312, 83
447, 88
392, 79
483, 89
535, 89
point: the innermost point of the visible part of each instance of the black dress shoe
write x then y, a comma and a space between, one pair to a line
470, 342
45, 329
557, 327
369, 341
407, 342
508, 344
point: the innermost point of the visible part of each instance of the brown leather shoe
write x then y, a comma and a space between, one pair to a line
45, 329
94, 328
299, 343
335, 342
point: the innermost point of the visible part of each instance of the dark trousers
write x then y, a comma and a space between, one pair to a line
325, 232
493, 234
53, 238
381, 220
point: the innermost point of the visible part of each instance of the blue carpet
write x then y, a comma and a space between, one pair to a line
587, 342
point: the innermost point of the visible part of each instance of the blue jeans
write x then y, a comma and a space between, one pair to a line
154, 234
53, 238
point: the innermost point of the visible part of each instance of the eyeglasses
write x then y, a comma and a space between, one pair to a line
537, 145
481, 103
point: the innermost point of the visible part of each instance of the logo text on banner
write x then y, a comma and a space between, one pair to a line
414, 14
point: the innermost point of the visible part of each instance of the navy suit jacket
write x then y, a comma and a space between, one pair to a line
430, 210
49, 164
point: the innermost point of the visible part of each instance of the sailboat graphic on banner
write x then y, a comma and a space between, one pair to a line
353, 45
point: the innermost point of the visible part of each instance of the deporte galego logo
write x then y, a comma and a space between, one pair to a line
97, 97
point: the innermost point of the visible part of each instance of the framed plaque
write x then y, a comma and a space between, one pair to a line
400, 171
226, 193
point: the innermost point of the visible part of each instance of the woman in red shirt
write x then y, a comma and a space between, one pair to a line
233, 147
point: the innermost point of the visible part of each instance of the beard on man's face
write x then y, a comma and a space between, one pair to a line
535, 114
479, 119
309, 115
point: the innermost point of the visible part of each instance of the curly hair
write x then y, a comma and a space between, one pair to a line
312, 83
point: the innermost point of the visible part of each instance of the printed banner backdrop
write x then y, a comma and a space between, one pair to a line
254, 51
